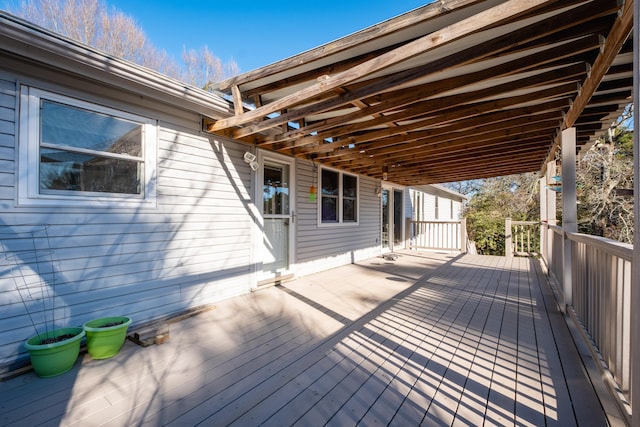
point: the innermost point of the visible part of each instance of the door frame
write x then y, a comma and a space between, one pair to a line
262, 277
392, 245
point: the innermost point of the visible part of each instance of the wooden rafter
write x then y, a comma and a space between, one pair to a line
617, 37
438, 111
440, 91
406, 139
492, 47
404, 96
381, 30
423, 44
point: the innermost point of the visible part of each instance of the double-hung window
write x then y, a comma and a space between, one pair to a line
81, 154
339, 198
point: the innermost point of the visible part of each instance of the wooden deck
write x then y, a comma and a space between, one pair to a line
427, 339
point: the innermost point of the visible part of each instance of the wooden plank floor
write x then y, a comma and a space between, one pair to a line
428, 339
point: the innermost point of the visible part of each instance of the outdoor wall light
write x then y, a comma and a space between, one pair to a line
251, 159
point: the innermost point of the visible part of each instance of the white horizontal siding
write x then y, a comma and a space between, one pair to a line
7, 139
193, 249
423, 201
321, 248
457, 210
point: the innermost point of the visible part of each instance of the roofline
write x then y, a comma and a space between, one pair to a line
440, 189
26, 40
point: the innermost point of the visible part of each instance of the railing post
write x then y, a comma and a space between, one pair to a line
543, 220
635, 264
569, 209
550, 197
463, 235
508, 242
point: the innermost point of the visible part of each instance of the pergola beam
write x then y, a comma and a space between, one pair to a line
615, 40
387, 100
455, 120
437, 110
340, 45
534, 34
453, 103
423, 44
451, 141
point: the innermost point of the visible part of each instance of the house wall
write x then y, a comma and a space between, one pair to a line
427, 204
193, 249
322, 247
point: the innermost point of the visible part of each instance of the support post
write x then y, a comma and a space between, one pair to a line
543, 221
508, 239
551, 196
569, 209
551, 216
635, 263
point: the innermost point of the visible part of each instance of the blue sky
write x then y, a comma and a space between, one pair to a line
255, 33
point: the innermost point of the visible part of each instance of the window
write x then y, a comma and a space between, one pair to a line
75, 153
349, 198
339, 198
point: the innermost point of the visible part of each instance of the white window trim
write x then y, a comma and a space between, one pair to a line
340, 222
28, 187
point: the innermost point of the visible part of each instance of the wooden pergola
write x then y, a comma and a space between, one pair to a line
454, 90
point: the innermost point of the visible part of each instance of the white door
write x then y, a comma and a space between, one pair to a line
392, 200
278, 216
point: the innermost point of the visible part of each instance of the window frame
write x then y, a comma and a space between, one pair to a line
29, 145
340, 199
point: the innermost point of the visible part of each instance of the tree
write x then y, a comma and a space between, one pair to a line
468, 188
494, 200
604, 176
204, 67
91, 22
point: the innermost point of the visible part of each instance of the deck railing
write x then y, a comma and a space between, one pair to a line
553, 244
522, 238
601, 293
598, 298
437, 235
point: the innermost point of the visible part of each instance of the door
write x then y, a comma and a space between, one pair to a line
398, 219
392, 219
277, 217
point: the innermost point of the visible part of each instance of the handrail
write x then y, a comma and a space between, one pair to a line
599, 296
611, 247
434, 222
556, 229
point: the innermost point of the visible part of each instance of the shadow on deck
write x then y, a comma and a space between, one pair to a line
428, 339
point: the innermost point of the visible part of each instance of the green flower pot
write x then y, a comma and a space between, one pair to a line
55, 358
106, 336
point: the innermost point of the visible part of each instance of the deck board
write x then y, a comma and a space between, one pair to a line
425, 340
